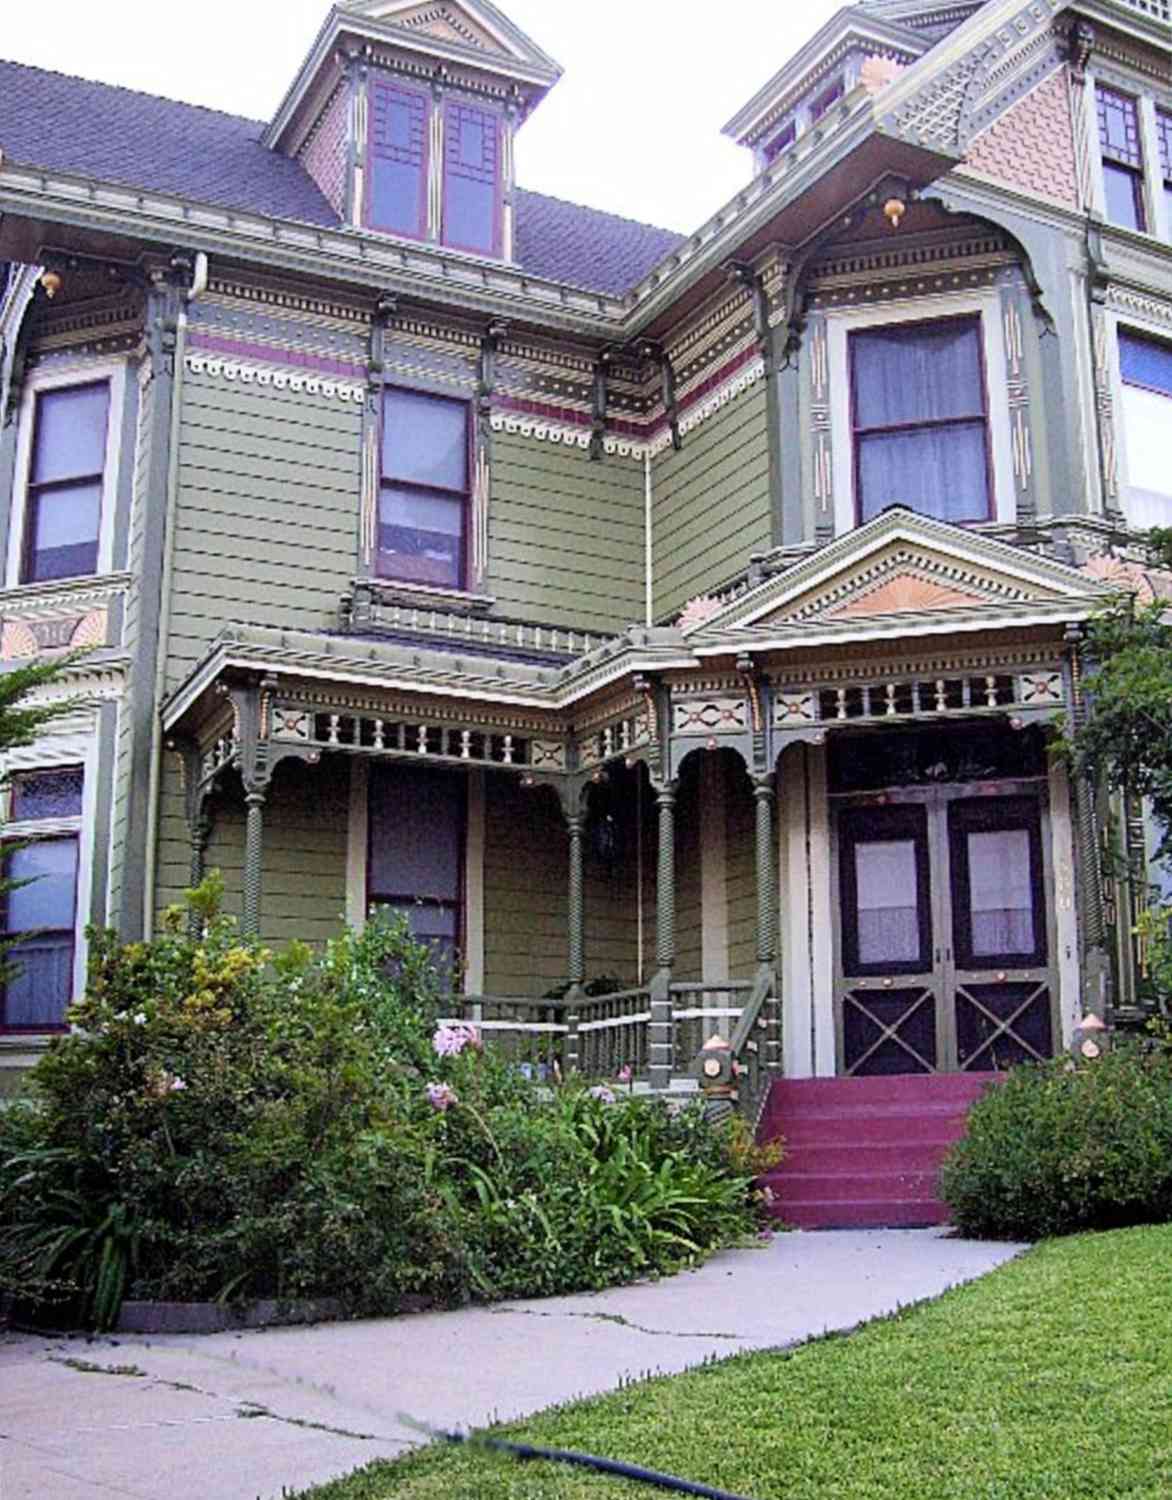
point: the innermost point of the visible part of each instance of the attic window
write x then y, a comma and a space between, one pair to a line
397, 191
826, 99
472, 185
782, 141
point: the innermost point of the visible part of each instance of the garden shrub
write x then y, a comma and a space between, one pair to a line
224, 1123
1061, 1147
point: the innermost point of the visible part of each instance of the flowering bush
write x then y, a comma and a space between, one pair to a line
226, 1123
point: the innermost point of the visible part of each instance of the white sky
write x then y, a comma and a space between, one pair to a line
633, 127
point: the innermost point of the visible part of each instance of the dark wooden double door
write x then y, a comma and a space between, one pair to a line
944, 944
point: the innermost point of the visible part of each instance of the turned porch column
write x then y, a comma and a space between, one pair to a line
765, 798
661, 1030
576, 970
253, 849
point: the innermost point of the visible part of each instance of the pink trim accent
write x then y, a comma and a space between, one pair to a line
300, 359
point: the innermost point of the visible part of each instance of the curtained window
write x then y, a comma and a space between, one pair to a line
424, 493
920, 420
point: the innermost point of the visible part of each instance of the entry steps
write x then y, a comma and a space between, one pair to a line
864, 1153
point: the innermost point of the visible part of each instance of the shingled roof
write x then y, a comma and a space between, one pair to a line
118, 135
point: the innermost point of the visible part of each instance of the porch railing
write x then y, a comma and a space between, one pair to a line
603, 1036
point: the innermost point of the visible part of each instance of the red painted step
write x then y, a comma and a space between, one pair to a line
865, 1152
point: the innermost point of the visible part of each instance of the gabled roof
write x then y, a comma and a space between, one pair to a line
901, 574
476, 24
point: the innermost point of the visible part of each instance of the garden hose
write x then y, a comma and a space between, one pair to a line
525, 1453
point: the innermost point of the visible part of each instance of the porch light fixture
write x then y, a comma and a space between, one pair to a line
893, 211
51, 281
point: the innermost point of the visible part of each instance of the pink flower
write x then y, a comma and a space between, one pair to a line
450, 1041
441, 1096
624, 1074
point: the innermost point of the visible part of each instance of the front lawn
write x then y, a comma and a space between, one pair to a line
1051, 1378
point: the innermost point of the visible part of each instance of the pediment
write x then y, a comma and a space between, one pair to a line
906, 567
469, 24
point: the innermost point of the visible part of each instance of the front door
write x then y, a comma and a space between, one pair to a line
944, 948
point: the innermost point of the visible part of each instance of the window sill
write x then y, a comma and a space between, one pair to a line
420, 596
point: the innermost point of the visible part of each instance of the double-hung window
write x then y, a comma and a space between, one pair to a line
1121, 146
1145, 365
40, 908
66, 473
424, 491
920, 424
415, 866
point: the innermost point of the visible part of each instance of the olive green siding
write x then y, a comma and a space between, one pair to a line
711, 504
566, 536
740, 816
526, 876
303, 888
131, 642
266, 530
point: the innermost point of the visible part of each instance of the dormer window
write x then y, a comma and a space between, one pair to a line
828, 97
472, 179
397, 194
782, 141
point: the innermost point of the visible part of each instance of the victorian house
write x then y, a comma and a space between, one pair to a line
693, 611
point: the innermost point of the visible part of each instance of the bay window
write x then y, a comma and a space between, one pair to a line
424, 490
40, 909
415, 863
1145, 367
66, 476
919, 419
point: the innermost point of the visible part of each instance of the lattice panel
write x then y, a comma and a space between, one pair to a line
1002, 1024
889, 1031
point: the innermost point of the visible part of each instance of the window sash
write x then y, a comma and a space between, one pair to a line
472, 187
955, 421
1119, 132
397, 137
64, 492
433, 555
37, 996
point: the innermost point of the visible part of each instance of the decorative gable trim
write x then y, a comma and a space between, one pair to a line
919, 564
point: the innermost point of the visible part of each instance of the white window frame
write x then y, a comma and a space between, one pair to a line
55, 378
1155, 208
51, 753
1141, 507
841, 322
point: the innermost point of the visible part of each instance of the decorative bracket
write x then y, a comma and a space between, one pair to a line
650, 350
259, 754
600, 396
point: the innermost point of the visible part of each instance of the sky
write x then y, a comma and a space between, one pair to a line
633, 126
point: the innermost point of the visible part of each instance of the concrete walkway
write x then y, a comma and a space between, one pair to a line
239, 1416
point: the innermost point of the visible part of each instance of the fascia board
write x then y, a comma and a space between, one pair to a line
806, 636
464, 282
318, 54
846, 25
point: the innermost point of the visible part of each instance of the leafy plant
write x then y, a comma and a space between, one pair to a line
1062, 1147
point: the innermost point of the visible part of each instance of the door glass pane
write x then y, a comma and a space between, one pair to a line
1001, 894
416, 833
888, 910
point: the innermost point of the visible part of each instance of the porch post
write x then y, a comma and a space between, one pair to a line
201, 831
765, 797
575, 822
253, 843
661, 1029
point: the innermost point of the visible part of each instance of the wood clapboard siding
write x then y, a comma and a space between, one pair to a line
565, 535
268, 513
741, 877
303, 892
526, 907
711, 505
141, 501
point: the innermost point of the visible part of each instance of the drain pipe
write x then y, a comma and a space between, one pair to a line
199, 282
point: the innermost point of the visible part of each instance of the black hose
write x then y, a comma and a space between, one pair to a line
524, 1453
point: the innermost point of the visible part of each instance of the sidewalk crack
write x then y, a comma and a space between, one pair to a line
618, 1320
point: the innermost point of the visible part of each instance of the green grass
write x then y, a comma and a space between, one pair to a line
1051, 1378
